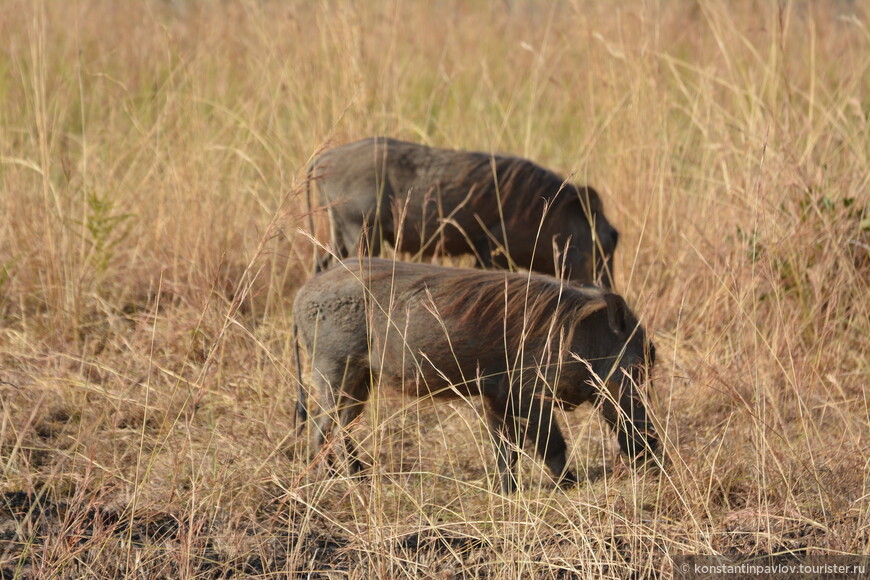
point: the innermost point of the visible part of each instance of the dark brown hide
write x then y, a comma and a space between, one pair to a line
523, 342
430, 201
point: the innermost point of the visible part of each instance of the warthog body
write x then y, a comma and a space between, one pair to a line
439, 201
523, 342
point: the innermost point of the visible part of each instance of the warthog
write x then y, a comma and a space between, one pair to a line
523, 342
439, 201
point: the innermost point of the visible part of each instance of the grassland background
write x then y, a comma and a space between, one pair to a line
152, 161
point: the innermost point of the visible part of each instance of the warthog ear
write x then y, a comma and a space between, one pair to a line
589, 199
617, 313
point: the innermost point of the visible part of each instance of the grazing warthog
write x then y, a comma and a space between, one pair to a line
439, 201
523, 342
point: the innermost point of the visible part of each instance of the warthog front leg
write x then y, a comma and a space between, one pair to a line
503, 430
549, 442
511, 423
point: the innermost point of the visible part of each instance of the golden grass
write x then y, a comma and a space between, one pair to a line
152, 161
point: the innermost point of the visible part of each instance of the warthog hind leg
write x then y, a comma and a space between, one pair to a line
344, 390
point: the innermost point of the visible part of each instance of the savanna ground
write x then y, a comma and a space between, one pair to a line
152, 177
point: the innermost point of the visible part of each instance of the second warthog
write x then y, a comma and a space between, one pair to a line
523, 342
431, 201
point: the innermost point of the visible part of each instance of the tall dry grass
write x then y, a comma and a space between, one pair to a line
152, 161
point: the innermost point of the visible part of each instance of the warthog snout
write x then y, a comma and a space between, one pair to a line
524, 343
621, 402
634, 432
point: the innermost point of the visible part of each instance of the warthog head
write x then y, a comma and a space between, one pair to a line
627, 358
583, 241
